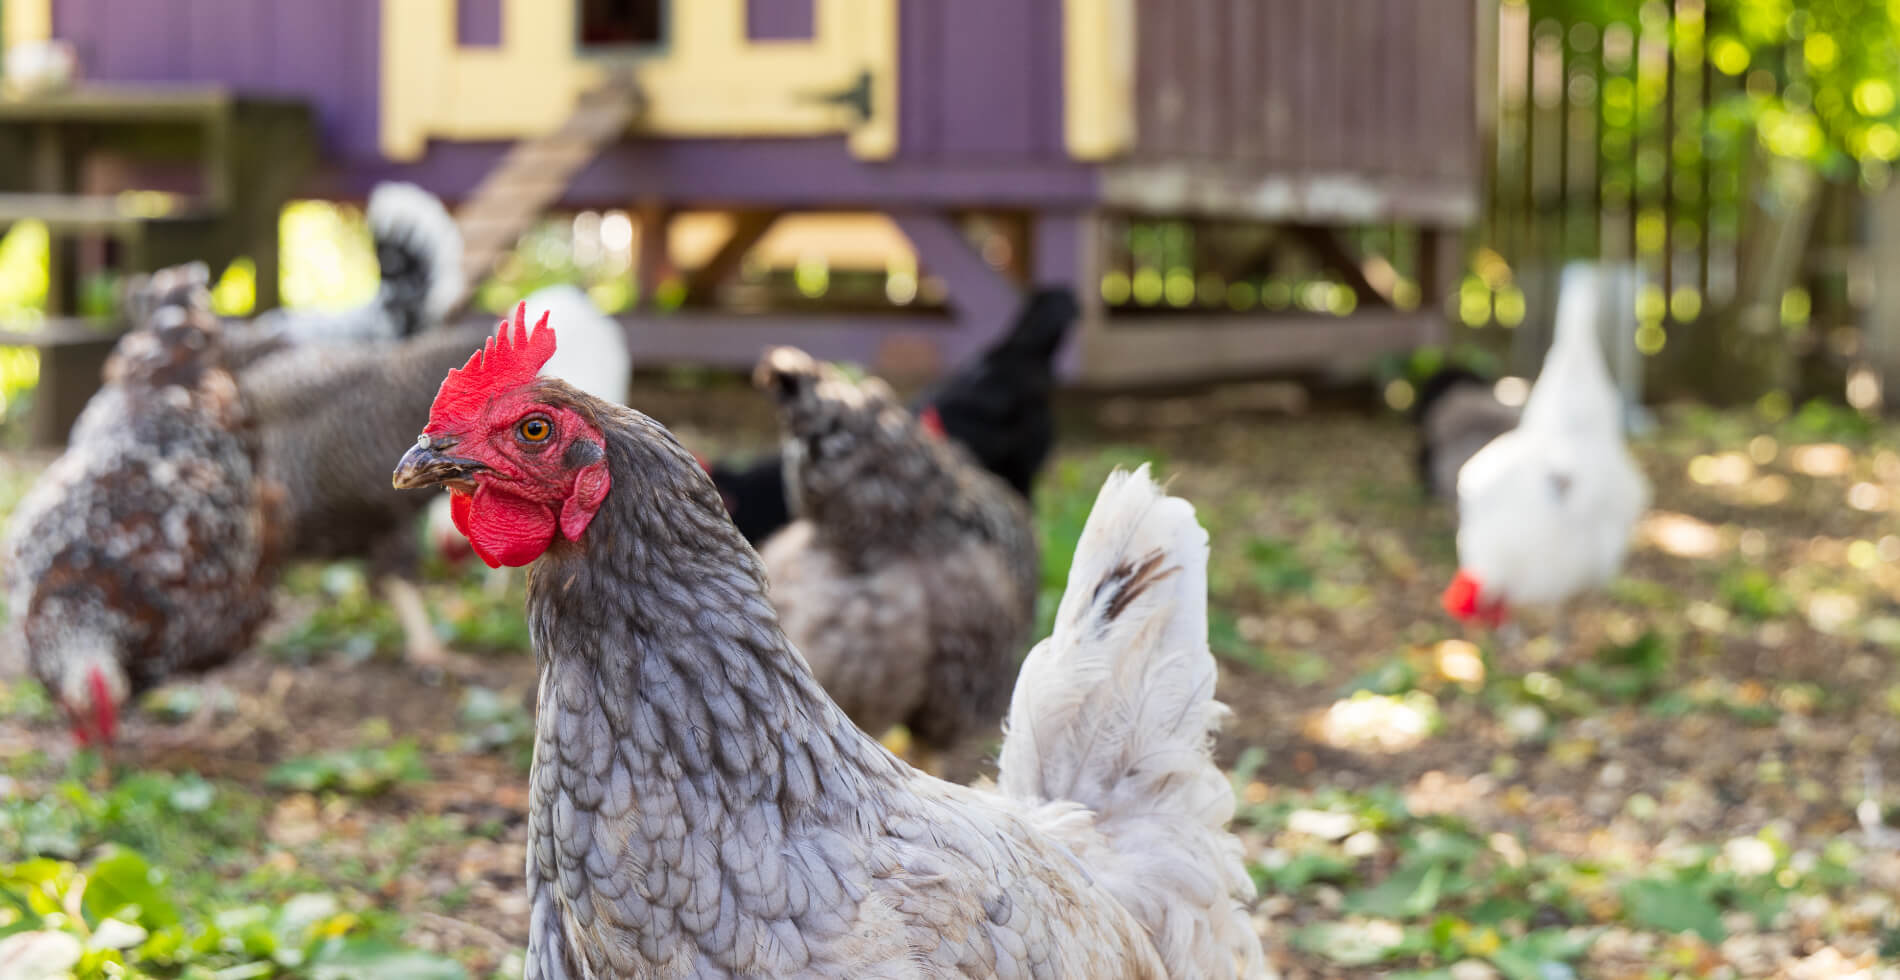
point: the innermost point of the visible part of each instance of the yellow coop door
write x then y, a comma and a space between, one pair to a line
706, 68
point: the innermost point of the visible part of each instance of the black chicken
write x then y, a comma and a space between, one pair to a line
997, 406
1457, 414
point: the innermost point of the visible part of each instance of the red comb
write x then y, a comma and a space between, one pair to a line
506, 361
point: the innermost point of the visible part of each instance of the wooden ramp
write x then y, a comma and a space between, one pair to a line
534, 175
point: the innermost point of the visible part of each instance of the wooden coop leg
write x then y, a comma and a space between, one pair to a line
1066, 250
981, 297
1882, 324
1326, 246
747, 228
54, 173
654, 264
69, 375
1440, 264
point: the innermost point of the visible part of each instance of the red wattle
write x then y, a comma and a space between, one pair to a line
933, 422
508, 530
458, 510
590, 488
1461, 596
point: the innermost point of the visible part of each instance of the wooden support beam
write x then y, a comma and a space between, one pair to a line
1882, 323
747, 228
1248, 261
1172, 349
1440, 254
733, 340
654, 263
73, 355
983, 298
1067, 248
1325, 245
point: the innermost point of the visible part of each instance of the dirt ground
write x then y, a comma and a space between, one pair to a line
1719, 733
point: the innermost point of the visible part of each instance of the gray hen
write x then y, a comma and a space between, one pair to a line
700, 808
909, 576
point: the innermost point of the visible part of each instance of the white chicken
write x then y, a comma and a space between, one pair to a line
593, 357
1545, 511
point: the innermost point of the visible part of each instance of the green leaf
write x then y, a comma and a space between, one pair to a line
1413, 890
1542, 955
1304, 869
124, 885
306, 774
1673, 906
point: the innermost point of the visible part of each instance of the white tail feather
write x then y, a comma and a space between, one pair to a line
400, 211
1114, 713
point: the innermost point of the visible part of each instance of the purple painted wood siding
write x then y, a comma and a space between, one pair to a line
980, 80
812, 174
1368, 87
478, 23
327, 53
779, 20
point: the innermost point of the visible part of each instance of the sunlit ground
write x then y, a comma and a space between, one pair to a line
1704, 783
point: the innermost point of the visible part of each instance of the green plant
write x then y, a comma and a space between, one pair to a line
363, 771
1754, 594
127, 923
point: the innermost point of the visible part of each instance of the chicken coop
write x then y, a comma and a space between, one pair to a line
1191, 168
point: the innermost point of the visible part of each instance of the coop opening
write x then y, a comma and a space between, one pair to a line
619, 24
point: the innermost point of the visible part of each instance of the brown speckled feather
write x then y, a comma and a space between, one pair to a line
151, 543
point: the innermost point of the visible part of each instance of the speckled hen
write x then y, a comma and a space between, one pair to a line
700, 808
150, 547
909, 575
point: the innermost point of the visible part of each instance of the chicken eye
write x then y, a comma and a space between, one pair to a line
535, 429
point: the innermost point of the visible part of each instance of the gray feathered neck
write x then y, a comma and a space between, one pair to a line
657, 644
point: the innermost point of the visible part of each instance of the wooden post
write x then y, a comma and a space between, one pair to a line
655, 264
1882, 327
747, 228
1440, 251
52, 174
1067, 252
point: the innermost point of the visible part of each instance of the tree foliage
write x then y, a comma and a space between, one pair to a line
1820, 78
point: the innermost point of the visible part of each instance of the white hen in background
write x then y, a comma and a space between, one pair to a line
593, 356
1545, 511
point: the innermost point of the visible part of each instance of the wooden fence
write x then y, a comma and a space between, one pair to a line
1616, 144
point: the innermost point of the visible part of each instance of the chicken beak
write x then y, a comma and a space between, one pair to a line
428, 464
